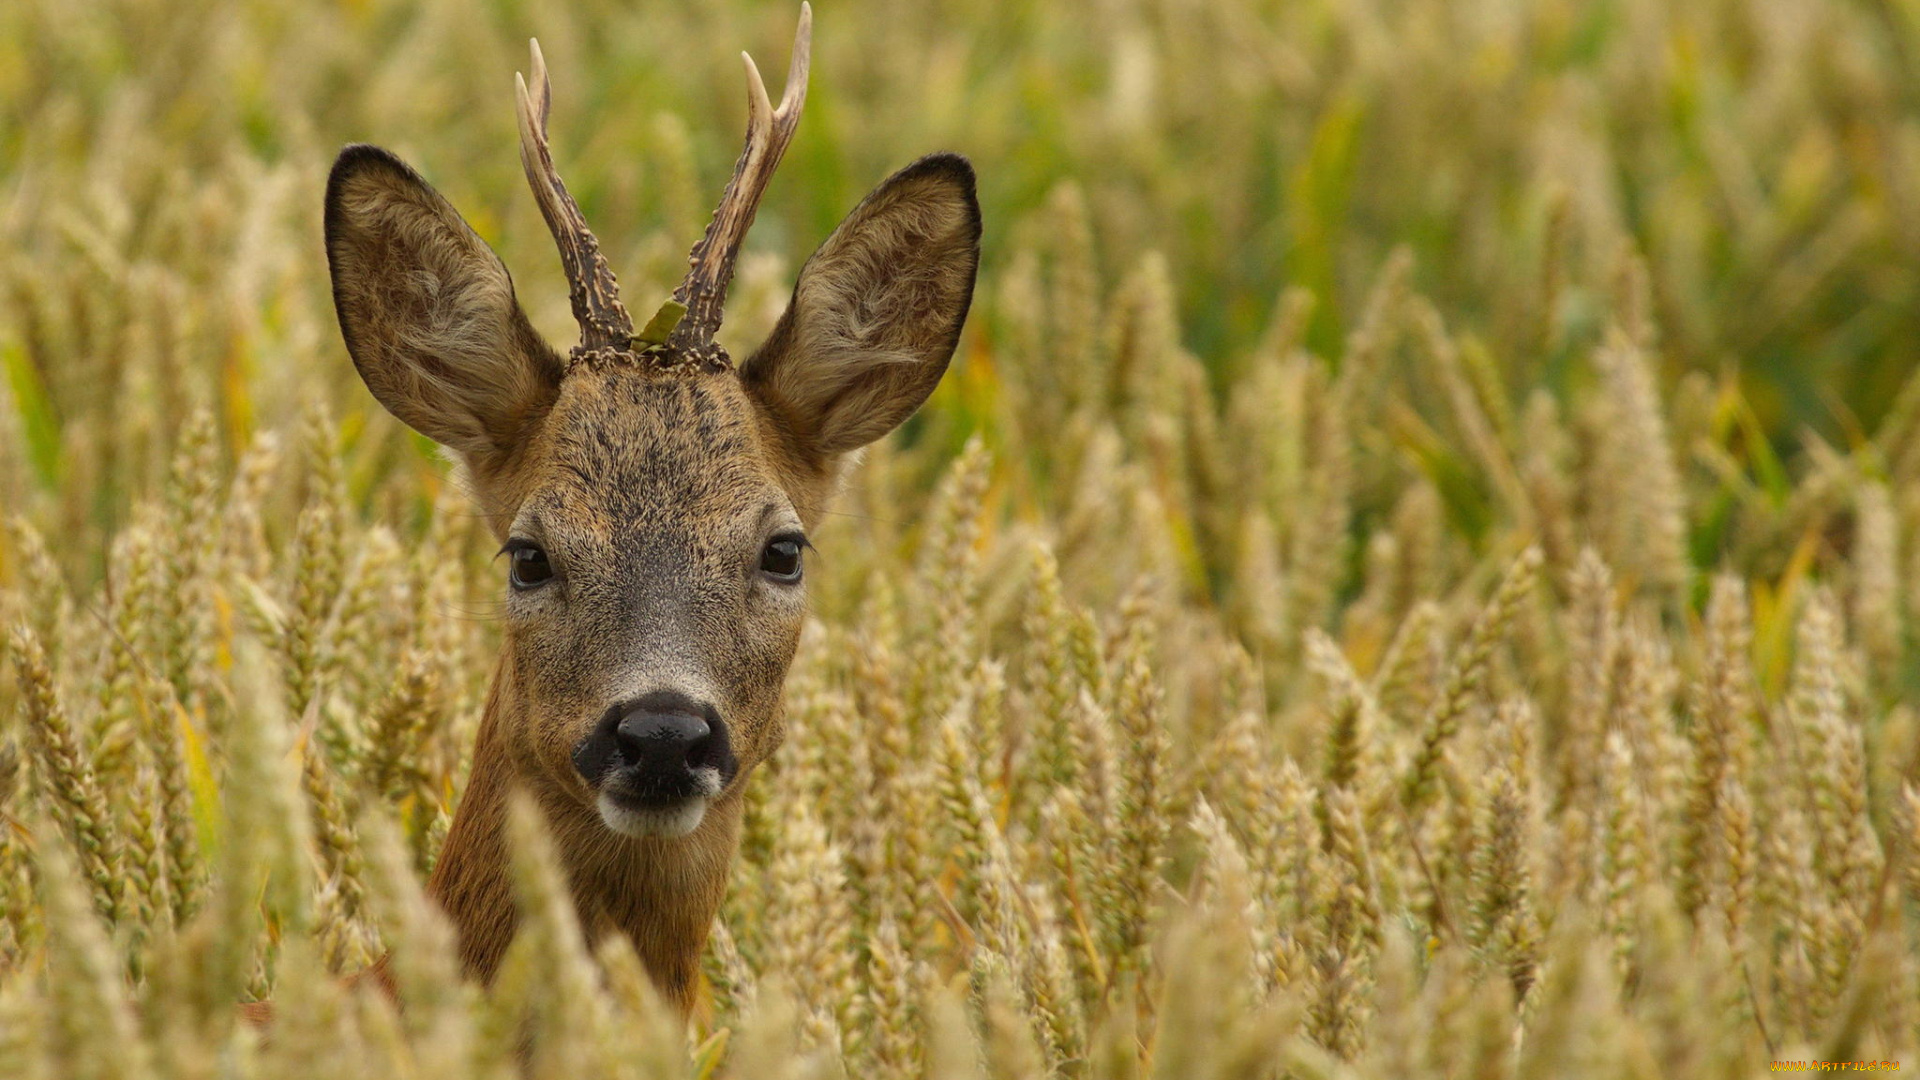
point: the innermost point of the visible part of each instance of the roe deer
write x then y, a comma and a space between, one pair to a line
653, 500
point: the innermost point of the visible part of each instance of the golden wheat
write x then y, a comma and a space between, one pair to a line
1415, 572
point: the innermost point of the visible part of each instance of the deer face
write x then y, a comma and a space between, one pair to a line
652, 501
654, 592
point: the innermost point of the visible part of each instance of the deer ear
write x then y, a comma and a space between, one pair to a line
877, 311
428, 311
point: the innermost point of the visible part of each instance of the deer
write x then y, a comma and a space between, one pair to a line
652, 500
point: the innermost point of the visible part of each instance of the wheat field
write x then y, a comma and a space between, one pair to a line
1415, 571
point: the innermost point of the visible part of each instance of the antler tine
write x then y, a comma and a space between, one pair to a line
604, 322
769, 130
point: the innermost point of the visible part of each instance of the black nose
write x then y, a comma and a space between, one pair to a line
659, 741
651, 748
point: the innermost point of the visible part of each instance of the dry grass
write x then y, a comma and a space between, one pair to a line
1487, 655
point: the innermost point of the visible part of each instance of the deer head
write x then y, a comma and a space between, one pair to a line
652, 499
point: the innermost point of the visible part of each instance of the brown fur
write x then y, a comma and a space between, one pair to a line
653, 486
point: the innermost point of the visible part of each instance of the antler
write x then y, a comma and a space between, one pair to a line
710, 263
604, 322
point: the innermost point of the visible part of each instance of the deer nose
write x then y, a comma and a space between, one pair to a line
661, 746
659, 741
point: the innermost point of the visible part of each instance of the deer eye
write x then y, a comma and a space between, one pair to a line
528, 567
780, 559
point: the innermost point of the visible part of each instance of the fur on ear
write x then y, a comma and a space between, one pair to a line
877, 311
428, 311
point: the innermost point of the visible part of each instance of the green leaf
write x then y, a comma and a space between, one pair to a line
661, 326
200, 782
37, 419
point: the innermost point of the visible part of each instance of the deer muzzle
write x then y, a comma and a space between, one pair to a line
656, 762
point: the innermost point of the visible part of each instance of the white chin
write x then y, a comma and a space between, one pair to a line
667, 821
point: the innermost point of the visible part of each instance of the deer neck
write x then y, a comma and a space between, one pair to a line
661, 894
